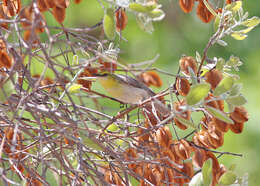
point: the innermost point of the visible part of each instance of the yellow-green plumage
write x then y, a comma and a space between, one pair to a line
129, 90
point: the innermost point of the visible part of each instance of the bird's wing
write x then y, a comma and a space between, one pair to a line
135, 83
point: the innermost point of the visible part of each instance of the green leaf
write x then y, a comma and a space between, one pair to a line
186, 122
225, 85
74, 88
236, 100
90, 143
219, 114
112, 128
246, 30
207, 172
156, 14
252, 22
220, 64
197, 93
231, 108
109, 24
227, 178
222, 43
235, 90
234, 6
197, 180
142, 8
238, 35
6, 89
198, 57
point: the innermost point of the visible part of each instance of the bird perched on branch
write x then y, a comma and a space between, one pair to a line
129, 90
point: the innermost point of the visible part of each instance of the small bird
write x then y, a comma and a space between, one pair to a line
129, 90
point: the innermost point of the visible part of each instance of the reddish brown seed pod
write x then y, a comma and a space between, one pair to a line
5, 60
199, 157
62, 3
130, 154
3, 16
187, 62
107, 66
121, 19
221, 171
188, 170
11, 7
151, 78
42, 5
182, 149
237, 128
183, 114
59, 13
186, 5
203, 13
183, 86
26, 15
220, 125
213, 77
209, 101
85, 83
49, 3
163, 136
239, 115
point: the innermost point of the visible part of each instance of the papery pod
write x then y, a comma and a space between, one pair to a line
237, 128
213, 77
203, 12
11, 8
59, 13
188, 170
221, 125
183, 86
186, 5
121, 20
199, 157
182, 114
42, 5
221, 171
187, 62
130, 154
109, 24
5, 60
151, 78
158, 174
49, 3
85, 83
215, 167
239, 115
62, 3
3, 16
182, 149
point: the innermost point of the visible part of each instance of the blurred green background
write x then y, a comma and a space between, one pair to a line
179, 34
